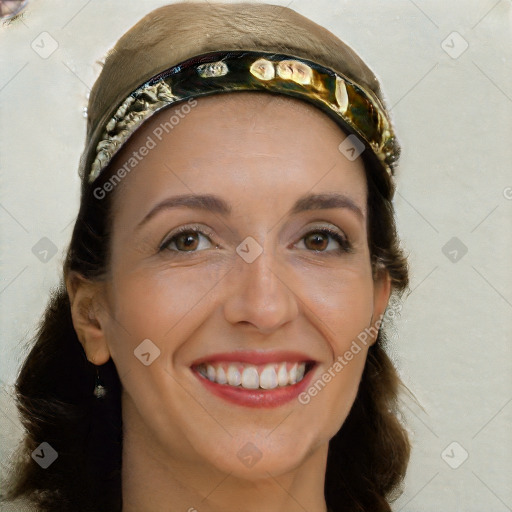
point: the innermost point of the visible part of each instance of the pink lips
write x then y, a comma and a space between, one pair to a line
255, 397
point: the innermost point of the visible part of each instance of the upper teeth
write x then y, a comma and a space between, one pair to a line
248, 376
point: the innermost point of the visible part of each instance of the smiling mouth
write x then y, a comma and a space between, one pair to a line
248, 376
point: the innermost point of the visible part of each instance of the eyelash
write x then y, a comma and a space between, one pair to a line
345, 245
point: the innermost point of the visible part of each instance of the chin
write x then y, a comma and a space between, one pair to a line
254, 457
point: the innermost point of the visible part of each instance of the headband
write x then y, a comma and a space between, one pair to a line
355, 109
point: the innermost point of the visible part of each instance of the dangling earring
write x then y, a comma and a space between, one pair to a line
99, 389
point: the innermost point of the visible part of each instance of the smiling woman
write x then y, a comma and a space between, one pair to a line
216, 343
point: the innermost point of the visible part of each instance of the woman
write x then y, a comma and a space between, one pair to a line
216, 343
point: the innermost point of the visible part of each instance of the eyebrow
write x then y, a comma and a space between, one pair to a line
215, 204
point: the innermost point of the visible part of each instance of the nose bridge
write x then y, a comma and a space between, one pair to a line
260, 293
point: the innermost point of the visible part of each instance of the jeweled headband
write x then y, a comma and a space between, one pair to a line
355, 109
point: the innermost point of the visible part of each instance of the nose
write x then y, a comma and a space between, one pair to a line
260, 294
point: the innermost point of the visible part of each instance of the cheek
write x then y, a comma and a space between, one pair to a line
153, 314
342, 302
161, 305
156, 303
341, 305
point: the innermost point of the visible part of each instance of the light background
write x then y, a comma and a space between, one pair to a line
453, 113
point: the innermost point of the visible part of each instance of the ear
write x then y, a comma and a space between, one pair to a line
381, 294
87, 309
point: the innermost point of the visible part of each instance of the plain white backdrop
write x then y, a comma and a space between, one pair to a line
446, 69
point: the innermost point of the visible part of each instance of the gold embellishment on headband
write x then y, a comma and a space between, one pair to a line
263, 69
212, 69
295, 70
132, 113
341, 94
357, 110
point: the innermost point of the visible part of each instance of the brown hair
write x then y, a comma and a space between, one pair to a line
367, 458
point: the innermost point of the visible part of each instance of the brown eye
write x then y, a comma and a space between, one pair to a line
316, 241
319, 240
187, 240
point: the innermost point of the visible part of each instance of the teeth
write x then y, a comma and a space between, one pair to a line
282, 375
250, 379
247, 376
234, 377
210, 372
268, 377
221, 376
293, 374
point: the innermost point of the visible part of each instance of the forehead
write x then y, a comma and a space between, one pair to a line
239, 142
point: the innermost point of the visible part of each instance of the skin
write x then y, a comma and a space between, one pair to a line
260, 153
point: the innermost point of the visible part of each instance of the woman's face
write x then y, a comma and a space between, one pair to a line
253, 287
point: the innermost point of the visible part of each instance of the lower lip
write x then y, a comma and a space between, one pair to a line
256, 397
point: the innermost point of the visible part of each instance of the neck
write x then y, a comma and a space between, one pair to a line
153, 481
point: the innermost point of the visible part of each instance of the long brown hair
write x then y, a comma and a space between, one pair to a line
367, 458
